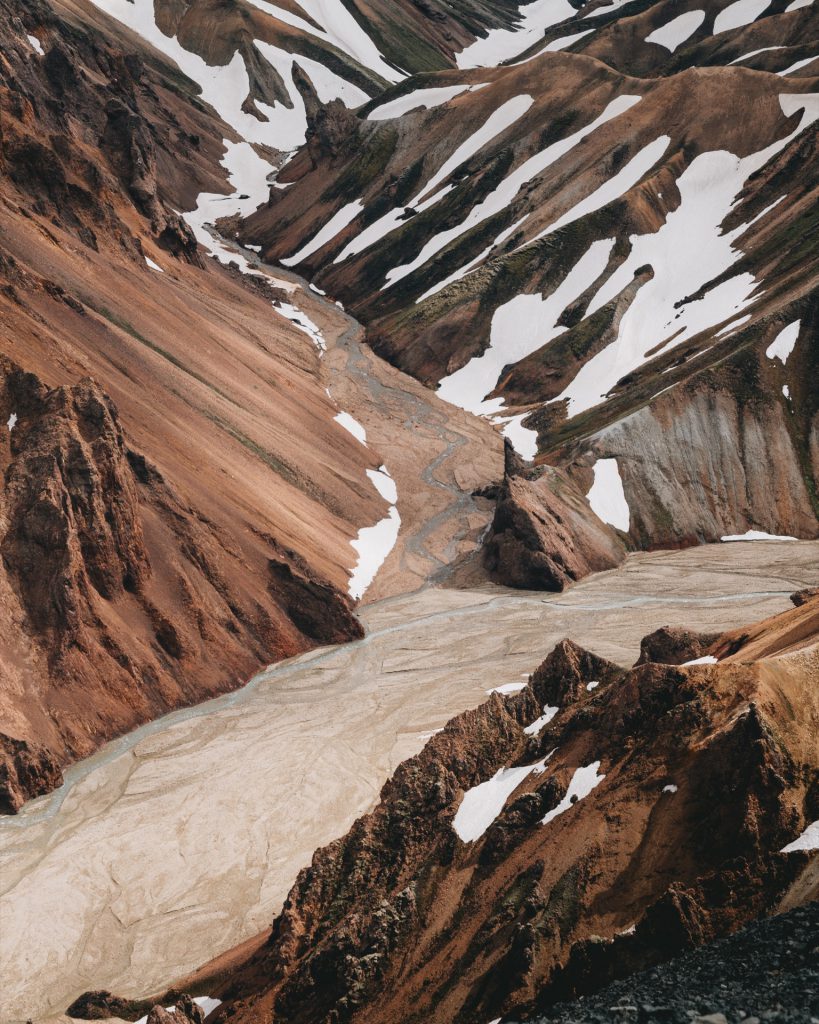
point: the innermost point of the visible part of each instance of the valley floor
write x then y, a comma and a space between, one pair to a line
180, 840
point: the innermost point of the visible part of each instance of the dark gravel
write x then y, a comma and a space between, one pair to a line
768, 972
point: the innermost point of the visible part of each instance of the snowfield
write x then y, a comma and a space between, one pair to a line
809, 840
689, 250
338, 222
503, 44
754, 535
784, 343
519, 327
675, 32
418, 99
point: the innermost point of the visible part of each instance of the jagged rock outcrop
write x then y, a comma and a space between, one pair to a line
544, 535
564, 677
644, 819
95, 548
671, 645
71, 504
102, 1005
26, 771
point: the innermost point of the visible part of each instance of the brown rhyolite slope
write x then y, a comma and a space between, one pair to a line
177, 499
401, 920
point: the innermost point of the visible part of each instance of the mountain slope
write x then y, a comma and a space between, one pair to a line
179, 498
585, 248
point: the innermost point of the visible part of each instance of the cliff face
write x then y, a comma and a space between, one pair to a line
525, 857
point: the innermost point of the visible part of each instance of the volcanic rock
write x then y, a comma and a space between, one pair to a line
26, 771
696, 786
671, 645
544, 535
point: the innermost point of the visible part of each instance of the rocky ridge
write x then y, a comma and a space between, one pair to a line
643, 817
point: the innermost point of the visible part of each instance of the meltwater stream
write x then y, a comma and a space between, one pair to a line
180, 840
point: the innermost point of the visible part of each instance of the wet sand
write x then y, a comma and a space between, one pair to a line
181, 839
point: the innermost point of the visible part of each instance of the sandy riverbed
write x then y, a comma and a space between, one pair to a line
182, 839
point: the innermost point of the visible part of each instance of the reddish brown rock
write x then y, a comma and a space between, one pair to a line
671, 645
26, 771
565, 675
544, 534
702, 775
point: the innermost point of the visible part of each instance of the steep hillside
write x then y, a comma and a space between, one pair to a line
179, 498
597, 822
586, 247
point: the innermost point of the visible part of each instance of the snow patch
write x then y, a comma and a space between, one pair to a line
540, 723
352, 426
799, 64
593, 684
754, 535
300, 319
556, 44
342, 29
670, 788
809, 840
740, 13
753, 53
502, 44
607, 497
707, 659
334, 225
583, 782
482, 804
626, 178
524, 440
608, 9
374, 543
36, 45
507, 688
687, 252
519, 327
424, 99
154, 266
797, 5
783, 344
11, 422
496, 124
675, 32
501, 198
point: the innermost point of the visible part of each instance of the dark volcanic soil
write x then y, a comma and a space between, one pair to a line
769, 971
